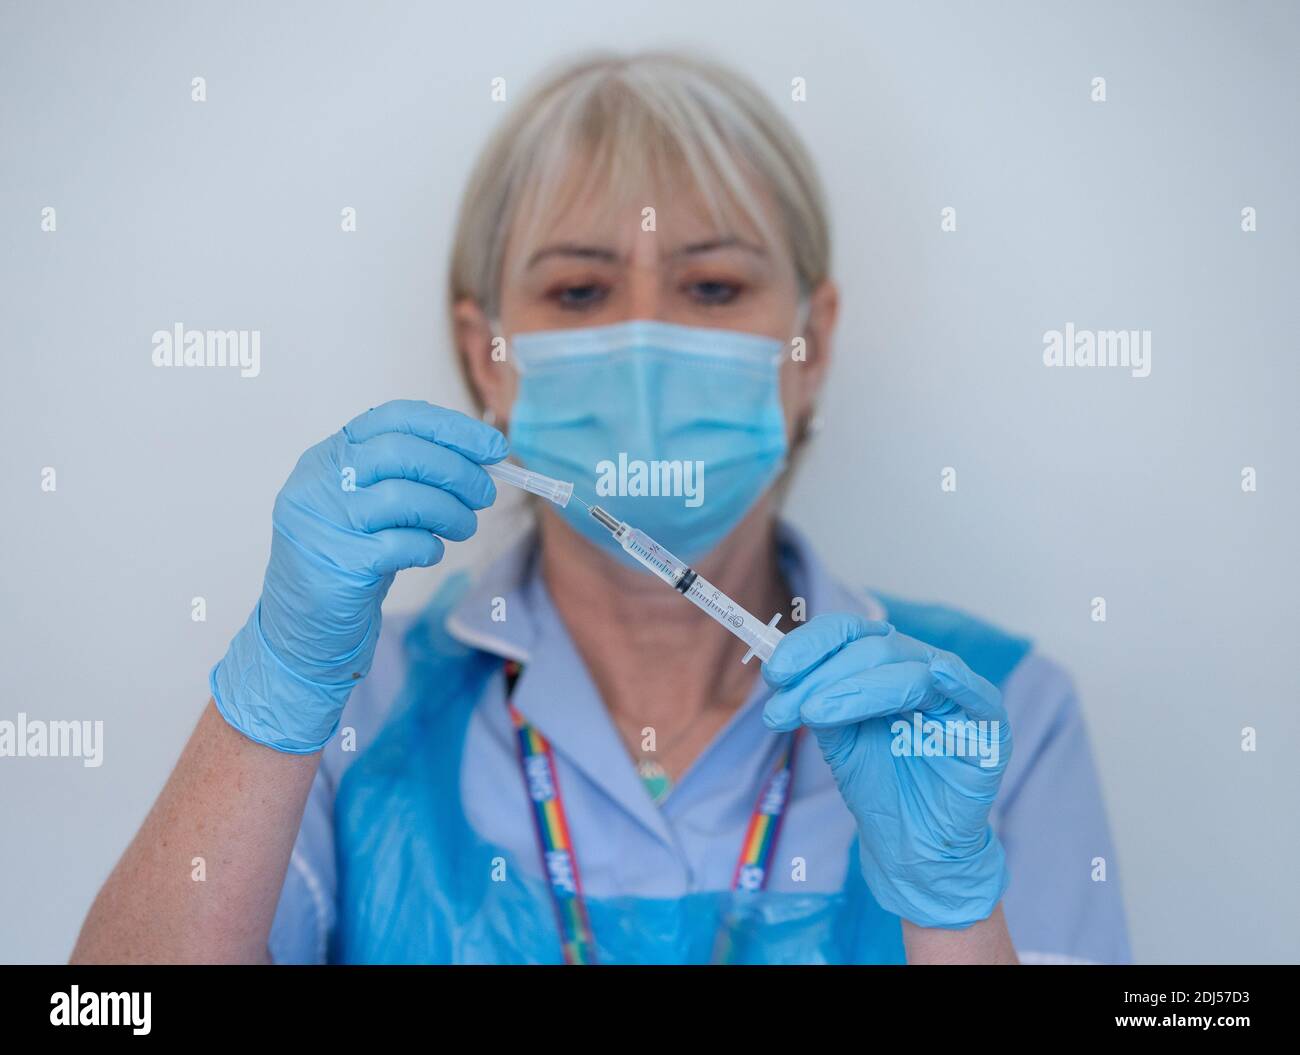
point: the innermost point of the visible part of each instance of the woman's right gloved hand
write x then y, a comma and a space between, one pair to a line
377, 497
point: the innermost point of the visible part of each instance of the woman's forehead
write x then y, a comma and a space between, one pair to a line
677, 211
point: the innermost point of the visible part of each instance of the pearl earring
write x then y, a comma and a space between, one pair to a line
813, 424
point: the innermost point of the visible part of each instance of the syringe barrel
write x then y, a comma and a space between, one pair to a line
762, 638
647, 552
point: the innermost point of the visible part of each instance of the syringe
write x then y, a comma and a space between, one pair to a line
762, 638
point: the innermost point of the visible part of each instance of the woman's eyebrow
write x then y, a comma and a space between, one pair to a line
606, 255
571, 249
713, 244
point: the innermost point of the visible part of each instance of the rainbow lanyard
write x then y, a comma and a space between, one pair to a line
560, 862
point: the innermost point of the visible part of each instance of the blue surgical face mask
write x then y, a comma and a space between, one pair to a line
678, 430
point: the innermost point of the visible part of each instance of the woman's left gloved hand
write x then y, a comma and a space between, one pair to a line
928, 853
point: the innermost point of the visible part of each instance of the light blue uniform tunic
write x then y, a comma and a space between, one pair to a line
418, 842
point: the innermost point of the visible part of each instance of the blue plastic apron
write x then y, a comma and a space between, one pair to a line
415, 881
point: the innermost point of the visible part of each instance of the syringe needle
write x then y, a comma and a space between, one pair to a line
577, 499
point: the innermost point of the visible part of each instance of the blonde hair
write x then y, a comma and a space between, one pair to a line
623, 120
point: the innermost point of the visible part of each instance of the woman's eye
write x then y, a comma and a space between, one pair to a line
585, 296
713, 292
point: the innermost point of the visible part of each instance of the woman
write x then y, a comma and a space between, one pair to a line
561, 760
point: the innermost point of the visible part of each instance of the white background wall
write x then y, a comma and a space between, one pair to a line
1072, 483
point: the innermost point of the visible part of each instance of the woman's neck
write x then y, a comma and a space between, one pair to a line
657, 660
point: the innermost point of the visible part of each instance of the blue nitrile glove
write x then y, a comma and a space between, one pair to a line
358, 507
928, 853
